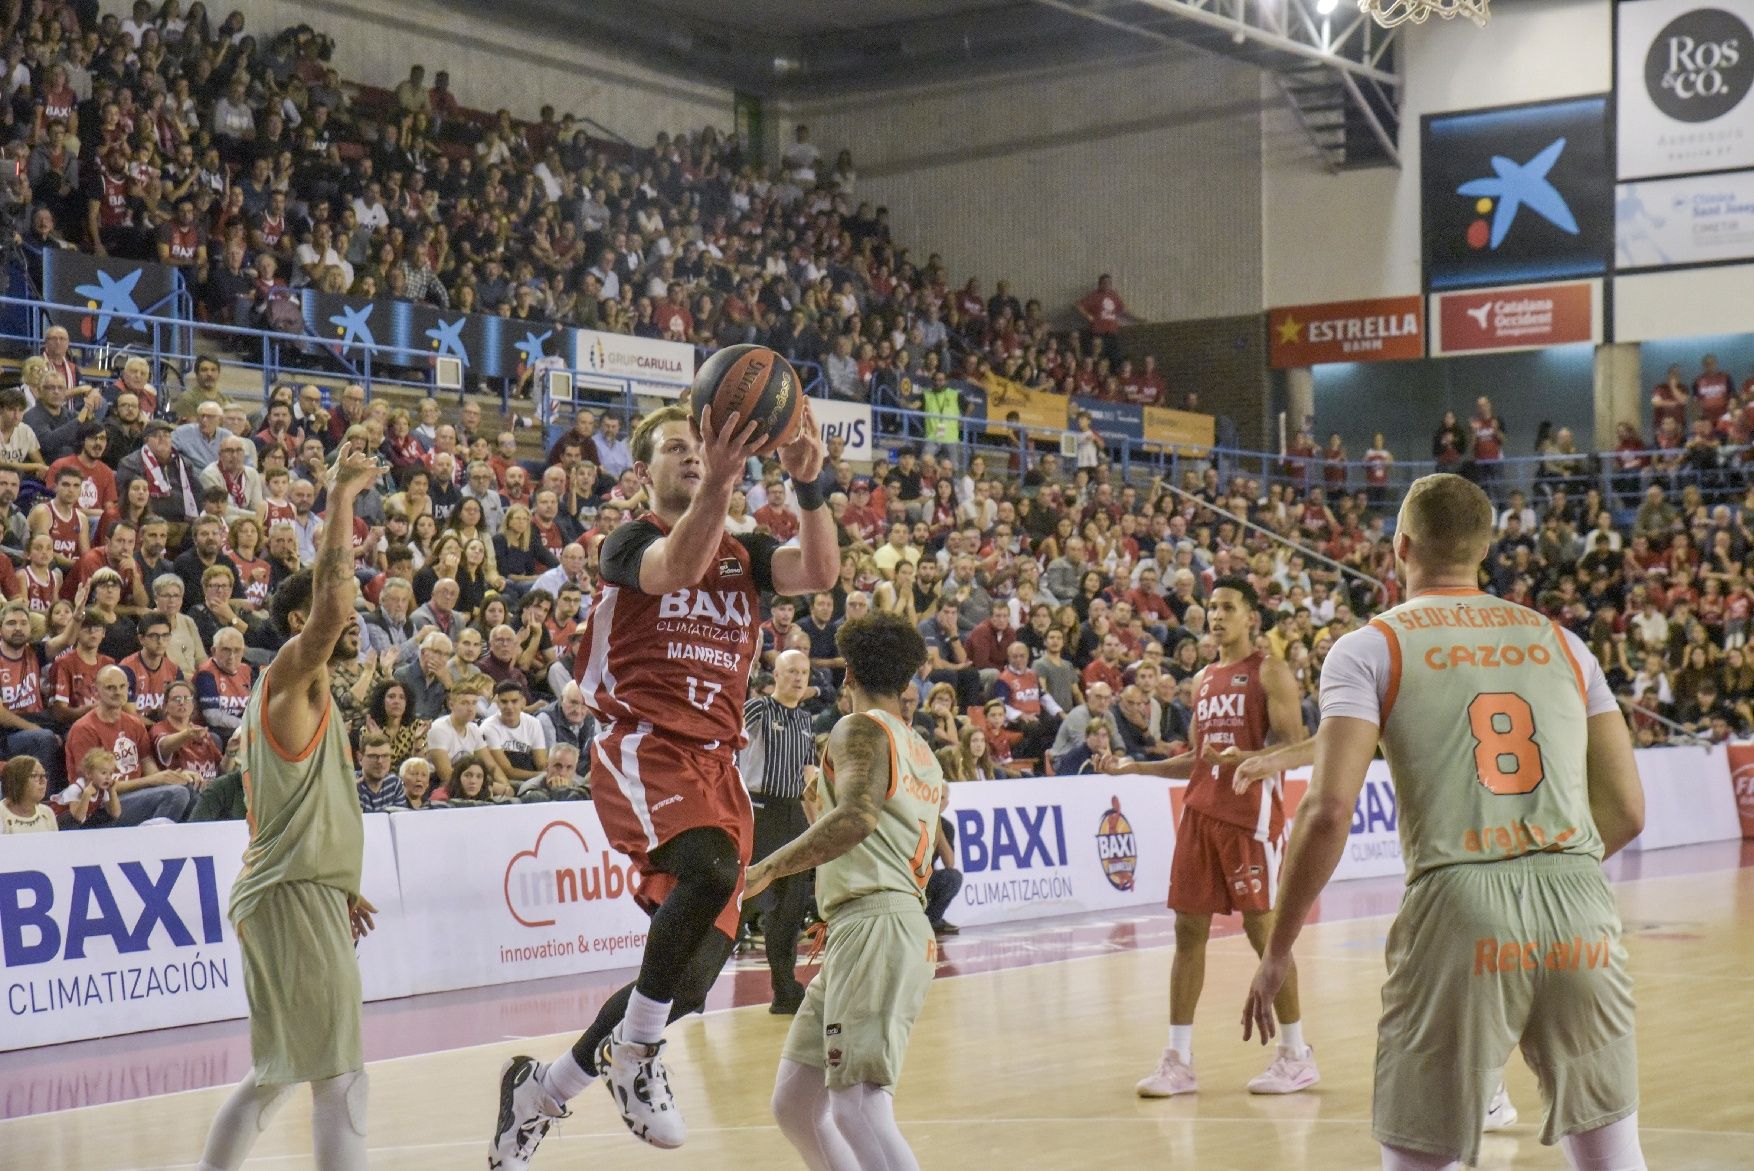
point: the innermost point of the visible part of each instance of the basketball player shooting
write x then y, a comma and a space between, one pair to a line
296, 903
671, 638
872, 848
1231, 836
1514, 776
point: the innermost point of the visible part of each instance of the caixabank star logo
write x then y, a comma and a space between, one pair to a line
1521, 193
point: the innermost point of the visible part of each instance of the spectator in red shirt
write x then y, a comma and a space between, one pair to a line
1104, 313
1300, 454
1712, 390
861, 518
1488, 430
1151, 384
1334, 463
1377, 462
989, 642
1106, 666
74, 671
776, 518
146, 790
1669, 399
1147, 602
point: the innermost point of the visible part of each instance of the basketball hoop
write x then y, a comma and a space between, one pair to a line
1389, 13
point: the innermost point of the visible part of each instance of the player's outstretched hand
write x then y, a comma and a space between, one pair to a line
755, 880
354, 470
1257, 1011
726, 449
802, 457
359, 914
1249, 771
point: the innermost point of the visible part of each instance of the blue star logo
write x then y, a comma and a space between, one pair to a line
1523, 183
447, 337
112, 298
531, 347
351, 325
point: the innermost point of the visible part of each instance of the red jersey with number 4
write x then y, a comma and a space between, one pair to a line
678, 662
1230, 711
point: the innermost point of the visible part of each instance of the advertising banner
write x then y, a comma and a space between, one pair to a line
120, 931
1662, 223
1188, 431
517, 892
1517, 193
1741, 762
850, 421
488, 346
654, 367
1521, 317
115, 293
1378, 330
1682, 75
1111, 420
1036, 847
1035, 408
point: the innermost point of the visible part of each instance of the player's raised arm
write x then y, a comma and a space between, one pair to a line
813, 563
709, 465
1616, 796
864, 768
297, 679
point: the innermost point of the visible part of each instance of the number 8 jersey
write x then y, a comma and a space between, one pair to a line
679, 662
1483, 707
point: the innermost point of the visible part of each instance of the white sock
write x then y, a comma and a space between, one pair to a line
644, 1021
1181, 1039
566, 1079
1291, 1037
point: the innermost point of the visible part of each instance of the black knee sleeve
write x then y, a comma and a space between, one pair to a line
704, 861
706, 866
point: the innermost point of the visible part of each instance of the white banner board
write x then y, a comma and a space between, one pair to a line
1705, 219
516, 892
123, 930
1684, 85
850, 421
654, 367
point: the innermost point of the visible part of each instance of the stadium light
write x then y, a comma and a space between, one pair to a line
1326, 7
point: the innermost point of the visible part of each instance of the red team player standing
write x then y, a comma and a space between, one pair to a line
669, 645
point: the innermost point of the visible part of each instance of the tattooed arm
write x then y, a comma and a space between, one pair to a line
863, 770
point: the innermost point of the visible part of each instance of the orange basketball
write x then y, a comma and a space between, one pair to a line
755, 382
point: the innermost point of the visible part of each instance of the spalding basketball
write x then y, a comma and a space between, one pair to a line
755, 382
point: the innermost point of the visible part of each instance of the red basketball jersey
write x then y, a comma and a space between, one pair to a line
75, 679
200, 755
21, 682
146, 686
678, 661
233, 690
64, 532
40, 595
1230, 710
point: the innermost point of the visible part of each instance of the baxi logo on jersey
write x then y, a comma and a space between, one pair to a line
1117, 847
561, 869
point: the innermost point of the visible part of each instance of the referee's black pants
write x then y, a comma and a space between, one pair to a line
778, 820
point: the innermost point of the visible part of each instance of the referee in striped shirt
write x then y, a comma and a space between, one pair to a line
778, 763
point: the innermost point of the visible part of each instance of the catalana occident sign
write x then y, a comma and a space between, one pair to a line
1380, 330
1684, 84
1516, 317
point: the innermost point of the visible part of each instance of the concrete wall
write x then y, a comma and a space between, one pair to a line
1337, 237
1150, 171
492, 63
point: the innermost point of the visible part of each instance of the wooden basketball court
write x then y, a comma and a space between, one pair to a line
1031, 1068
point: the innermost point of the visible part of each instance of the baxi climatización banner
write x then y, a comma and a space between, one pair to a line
122, 931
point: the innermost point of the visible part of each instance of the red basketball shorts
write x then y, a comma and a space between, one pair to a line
1219, 868
649, 789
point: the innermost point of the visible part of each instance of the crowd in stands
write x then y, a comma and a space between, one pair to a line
253, 167
1062, 604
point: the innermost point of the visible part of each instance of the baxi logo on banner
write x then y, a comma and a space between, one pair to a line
1117, 846
1518, 317
1684, 72
1380, 330
1519, 193
1705, 219
115, 294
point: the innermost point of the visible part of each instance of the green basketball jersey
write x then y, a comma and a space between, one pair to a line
1485, 729
897, 856
305, 822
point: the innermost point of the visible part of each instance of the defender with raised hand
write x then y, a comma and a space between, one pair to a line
872, 848
1514, 776
297, 904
